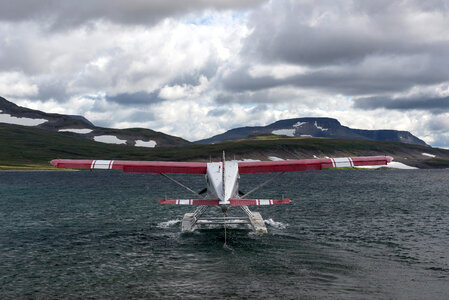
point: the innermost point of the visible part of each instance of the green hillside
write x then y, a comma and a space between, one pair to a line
30, 148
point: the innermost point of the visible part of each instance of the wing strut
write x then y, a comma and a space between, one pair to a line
180, 184
263, 184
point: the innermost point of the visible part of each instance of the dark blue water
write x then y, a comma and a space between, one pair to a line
358, 234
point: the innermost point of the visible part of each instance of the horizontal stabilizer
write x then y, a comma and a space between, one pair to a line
247, 202
209, 202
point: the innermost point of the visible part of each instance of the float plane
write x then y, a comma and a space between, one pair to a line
222, 181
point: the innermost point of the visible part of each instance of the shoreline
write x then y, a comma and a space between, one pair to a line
29, 168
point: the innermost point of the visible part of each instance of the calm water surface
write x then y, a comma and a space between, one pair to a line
358, 234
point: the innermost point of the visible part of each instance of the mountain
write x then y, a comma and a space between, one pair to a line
315, 127
29, 139
80, 127
28, 147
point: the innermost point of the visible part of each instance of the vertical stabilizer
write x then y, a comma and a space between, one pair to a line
223, 175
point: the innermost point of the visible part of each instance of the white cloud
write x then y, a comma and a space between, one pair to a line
17, 85
198, 69
277, 71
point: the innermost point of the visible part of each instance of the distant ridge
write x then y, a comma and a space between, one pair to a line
79, 126
315, 127
29, 139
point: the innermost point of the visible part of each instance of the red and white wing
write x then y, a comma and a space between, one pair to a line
133, 166
200, 168
311, 164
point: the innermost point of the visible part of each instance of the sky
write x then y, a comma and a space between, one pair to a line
196, 68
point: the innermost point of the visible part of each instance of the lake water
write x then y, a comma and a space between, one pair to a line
362, 234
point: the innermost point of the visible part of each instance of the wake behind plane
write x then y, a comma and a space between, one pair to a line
222, 183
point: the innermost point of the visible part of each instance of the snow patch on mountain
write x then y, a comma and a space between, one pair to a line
109, 139
149, 144
75, 130
320, 128
245, 160
287, 132
392, 165
274, 158
299, 124
7, 118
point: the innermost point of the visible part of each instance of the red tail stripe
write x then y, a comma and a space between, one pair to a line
209, 202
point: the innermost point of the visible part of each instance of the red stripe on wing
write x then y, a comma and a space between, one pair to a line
163, 167
371, 160
72, 163
284, 166
306, 164
137, 166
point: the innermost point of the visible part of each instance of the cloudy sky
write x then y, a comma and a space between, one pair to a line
195, 68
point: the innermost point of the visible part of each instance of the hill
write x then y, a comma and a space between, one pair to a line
32, 148
315, 127
79, 126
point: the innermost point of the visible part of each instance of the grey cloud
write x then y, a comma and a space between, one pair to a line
141, 116
438, 126
192, 77
350, 47
225, 110
53, 89
244, 97
138, 98
240, 80
435, 105
251, 97
350, 80
337, 32
16, 54
74, 13
217, 112
261, 108
378, 7
441, 141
